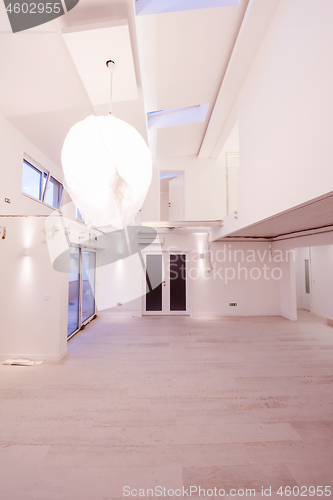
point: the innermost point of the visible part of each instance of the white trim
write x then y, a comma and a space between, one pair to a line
44, 204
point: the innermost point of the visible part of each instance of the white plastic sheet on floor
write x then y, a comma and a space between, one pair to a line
22, 362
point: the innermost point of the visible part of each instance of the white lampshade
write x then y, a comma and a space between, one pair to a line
108, 170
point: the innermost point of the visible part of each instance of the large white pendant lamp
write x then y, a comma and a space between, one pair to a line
108, 169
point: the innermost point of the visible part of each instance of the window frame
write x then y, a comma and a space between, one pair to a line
45, 178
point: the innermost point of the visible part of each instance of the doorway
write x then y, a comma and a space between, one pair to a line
172, 206
303, 278
81, 290
166, 287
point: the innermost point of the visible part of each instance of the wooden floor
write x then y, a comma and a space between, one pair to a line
172, 401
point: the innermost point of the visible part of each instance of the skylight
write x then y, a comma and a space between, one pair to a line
177, 116
145, 7
169, 175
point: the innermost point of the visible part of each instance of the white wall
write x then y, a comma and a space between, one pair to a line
322, 281
210, 292
321, 271
150, 210
204, 188
254, 297
13, 148
164, 205
288, 289
120, 282
30, 325
285, 111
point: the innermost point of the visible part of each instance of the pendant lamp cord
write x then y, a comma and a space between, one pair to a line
111, 65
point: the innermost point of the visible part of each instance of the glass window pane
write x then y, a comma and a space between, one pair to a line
154, 283
178, 282
44, 182
74, 291
53, 193
88, 285
31, 181
78, 215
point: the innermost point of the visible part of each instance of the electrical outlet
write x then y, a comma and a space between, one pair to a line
119, 304
233, 304
7, 200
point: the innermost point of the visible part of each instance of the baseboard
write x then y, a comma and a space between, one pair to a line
215, 314
120, 314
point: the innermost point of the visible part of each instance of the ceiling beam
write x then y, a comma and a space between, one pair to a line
257, 18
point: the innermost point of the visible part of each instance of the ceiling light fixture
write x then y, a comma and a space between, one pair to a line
107, 167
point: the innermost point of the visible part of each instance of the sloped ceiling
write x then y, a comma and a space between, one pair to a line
179, 60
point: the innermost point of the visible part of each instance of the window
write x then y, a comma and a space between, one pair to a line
78, 215
39, 184
32, 181
178, 116
53, 193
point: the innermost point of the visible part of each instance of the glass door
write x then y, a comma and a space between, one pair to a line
178, 279
81, 291
74, 291
154, 283
88, 284
166, 284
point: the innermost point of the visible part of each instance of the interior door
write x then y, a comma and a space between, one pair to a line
167, 284
176, 199
305, 278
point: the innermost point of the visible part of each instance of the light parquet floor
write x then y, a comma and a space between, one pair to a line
232, 403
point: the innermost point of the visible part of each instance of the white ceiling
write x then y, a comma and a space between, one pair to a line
90, 48
177, 59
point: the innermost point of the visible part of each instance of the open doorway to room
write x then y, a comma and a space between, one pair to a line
172, 206
303, 278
